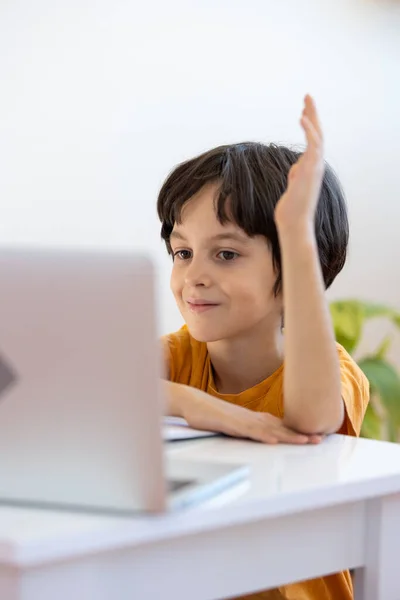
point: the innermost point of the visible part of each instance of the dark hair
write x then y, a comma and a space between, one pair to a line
252, 178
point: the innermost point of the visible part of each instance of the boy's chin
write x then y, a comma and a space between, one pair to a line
206, 335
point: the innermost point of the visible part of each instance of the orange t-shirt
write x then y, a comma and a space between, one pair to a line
189, 363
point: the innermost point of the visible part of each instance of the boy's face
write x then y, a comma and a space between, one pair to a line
222, 279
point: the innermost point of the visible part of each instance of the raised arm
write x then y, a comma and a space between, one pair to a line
312, 387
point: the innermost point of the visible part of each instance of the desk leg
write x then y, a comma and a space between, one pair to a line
379, 579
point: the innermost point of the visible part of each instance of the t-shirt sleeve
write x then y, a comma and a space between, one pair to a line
355, 393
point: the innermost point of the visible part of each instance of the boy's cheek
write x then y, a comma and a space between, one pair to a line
177, 293
174, 282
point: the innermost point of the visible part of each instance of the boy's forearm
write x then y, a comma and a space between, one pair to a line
199, 408
206, 412
173, 394
180, 397
312, 388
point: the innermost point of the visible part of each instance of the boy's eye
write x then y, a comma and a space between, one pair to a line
227, 255
182, 254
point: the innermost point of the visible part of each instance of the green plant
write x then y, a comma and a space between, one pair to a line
382, 419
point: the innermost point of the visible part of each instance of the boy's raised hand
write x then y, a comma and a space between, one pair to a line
296, 207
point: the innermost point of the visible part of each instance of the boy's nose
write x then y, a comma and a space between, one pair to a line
196, 275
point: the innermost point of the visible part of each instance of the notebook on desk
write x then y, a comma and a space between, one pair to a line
176, 429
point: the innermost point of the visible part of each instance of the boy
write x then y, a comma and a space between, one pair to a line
257, 233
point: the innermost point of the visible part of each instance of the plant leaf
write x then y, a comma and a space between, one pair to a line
393, 432
384, 381
383, 348
347, 318
372, 425
372, 311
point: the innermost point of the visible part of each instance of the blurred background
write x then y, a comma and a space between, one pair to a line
100, 99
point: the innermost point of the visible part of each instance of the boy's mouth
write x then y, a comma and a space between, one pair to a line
198, 305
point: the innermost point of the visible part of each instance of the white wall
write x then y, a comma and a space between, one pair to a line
100, 98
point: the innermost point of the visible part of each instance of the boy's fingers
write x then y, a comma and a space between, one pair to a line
282, 436
269, 429
260, 434
312, 135
267, 439
310, 110
315, 439
293, 438
266, 434
288, 436
275, 427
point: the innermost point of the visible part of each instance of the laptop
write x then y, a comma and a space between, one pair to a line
81, 396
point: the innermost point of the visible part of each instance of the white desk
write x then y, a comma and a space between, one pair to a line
308, 511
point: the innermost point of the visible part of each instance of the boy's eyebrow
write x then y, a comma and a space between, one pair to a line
235, 236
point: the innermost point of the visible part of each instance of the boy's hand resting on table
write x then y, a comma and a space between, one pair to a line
203, 411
